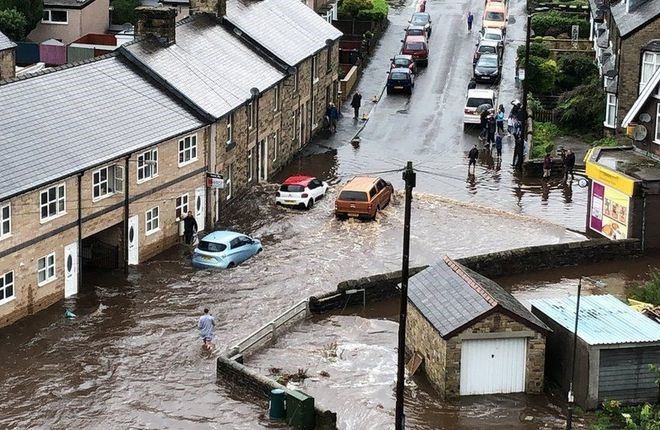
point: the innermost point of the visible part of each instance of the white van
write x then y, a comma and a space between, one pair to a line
476, 98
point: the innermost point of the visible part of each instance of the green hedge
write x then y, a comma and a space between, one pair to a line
554, 23
543, 134
378, 12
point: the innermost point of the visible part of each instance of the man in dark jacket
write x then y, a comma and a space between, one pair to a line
518, 152
472, 157
547, 166
491, 130
356, 102
189, 227
569, 165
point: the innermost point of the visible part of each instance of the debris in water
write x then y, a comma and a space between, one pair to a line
275, 370
69, 315
284, 378
324, 374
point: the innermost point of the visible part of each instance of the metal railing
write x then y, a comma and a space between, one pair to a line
269, 331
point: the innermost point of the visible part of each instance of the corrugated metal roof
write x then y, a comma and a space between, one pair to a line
287, 28
60, 122
5, 42
627, 22
208, 65
604, 320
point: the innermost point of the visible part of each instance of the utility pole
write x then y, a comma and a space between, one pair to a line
525, 81
409, 178
571, 396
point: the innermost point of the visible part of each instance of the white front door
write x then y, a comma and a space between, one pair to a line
71, 270
133, 235
490, 366
200, 207
263, 160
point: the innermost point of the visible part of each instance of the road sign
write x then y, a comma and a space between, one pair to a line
521, 74
215, 181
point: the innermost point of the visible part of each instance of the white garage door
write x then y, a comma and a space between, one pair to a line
491, 366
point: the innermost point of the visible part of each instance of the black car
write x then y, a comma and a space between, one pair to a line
488, 68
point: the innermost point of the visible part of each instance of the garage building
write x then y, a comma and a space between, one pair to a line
473, 336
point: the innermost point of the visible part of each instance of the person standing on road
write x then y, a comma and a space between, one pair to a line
470, 19
189, 228
498, 144
206, 325
491, 130
509, 126
356, 102
547, 166
499, 119
518, 150
472, 157
569, 165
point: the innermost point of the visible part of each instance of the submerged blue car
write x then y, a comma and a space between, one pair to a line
224, 249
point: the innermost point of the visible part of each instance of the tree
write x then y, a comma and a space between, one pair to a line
575, 69
353, 7
32, 11
123, 11
12, 24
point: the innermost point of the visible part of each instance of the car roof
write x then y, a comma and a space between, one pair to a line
415, 27
221, 236
495, 7
488, 56
416, 39
298, 180
488, 42
493, 30
481, 93
421, 14
401, 70
361, 183
406, 56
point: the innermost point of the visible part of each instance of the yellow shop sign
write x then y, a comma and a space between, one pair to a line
610, 178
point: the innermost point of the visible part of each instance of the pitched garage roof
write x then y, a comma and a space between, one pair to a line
61, 122
5, 42
603, 319
207, 64
451, 296
288, 28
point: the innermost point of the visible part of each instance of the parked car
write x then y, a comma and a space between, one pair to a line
422, 19
417, 47
476, 98
488, 68
486, 47
495, 16
302, 191
494, 34
224, 250
363, 197
400, 79
405, 61
416, 30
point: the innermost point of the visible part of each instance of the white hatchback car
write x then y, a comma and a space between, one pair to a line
476, 98
302, 191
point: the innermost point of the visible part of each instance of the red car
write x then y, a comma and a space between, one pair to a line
417, 47
403, 61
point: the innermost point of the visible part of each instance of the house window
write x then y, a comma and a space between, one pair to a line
7, 292
251, 163
106, 181
276, 145
610, 113
650, 63
119, 179
229, 183
657, 123
182, 206
46, 269
276, 98
53, 202
315, 68
328, 59
230, 128
187, 150
252, 115
5, 221
147, 165
151, 221
51, 16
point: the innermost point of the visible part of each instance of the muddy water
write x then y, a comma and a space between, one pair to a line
132, 357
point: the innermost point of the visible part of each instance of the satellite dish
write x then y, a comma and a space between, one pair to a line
639, 132
645, 118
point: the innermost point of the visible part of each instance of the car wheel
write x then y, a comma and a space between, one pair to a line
259, 250
310, 204
231, 265
376, 214
340, 217
389, 91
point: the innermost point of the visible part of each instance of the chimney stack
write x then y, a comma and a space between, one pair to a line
215, 7
156, 21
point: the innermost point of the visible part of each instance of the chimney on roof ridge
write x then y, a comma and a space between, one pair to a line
215, 7
156, 21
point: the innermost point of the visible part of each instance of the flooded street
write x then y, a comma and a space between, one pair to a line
132, 358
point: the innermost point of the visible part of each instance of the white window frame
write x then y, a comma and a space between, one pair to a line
50, 17
230, 128
151, 217
610, 102
4, 284
276, 145
187, 150
315, 68
657, 124
655, 63
181, 205
60, 202
251, 112
229, 181
145, 168
119, 178
276, 98
49, 269
114, 181
251, 160
5, 233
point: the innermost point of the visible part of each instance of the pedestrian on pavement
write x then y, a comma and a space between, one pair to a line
472, 84
189, 228
547, 166
472, 157
517, 128
491, 130
206, 325
356, 102
509, 126
499, 119
569, 164
470, 18
332, 114
498, 144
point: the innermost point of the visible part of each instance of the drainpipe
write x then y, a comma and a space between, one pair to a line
644, 222
254, 93
311, 99
79, 262
210, 167
126, 184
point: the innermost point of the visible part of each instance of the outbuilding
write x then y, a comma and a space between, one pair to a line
615, 347
473, 336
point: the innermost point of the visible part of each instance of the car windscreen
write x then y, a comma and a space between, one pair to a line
485, 49
475, 102
494, 16
353, 196
416, 32
420, 20
401, 62
292, 188
211, 246
399, 76
414, 46
487, 61
492, 36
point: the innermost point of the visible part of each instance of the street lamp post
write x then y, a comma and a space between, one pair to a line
526, 79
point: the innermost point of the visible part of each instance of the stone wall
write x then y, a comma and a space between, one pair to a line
7, 63
423, 339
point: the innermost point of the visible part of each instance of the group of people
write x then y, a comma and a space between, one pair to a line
568, 163
332, 113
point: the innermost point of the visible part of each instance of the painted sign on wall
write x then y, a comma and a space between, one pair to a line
609, 211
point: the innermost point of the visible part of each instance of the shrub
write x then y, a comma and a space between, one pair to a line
536, 49
12, 24
605, 141
123, 11
378, 11
541, 75
554, 23
353, 7
582, 106
543, 134
575, 69
649, 292
533, 103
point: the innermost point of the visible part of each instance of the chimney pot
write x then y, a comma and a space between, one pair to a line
156, 21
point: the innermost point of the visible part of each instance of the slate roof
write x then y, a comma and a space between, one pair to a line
76, 4
208, 65
451, 296
61, 122
287, 28
5, 42
627, 22
597, 9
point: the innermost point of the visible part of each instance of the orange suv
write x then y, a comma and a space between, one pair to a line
363, 197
